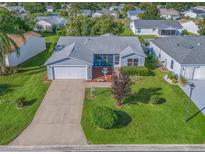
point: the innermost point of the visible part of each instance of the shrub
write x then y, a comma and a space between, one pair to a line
105, 117
21, 102
136, 70
182, 80
155, 99
150, 61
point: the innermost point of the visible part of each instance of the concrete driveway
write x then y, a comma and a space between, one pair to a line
198, 94
57, 121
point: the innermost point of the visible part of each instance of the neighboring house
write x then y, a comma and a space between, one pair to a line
49, 8
195, 13
75, 57
133, 14
47, 23
18, 9
169, 14
87, 13
183, 55
190, 26
31, 46
99, 13
156, 27
3, 4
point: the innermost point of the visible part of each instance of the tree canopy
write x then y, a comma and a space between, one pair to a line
151, 12
202, 27
87, 26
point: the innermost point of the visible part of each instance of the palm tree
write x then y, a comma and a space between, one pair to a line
11, 23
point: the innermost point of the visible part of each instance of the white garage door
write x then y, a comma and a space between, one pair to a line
199, 73
72, 72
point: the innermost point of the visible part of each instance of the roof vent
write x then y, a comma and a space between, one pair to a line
59, 47
178, 44
198, 44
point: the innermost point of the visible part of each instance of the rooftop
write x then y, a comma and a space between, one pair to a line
164, 11
157, 24
135, 12
53, 20
184, 49
83, 47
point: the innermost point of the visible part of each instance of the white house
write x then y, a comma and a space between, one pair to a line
156, 27
133, 14
190, 26
183, 55
49, 8
169, 14
99, 13
47, 23
195, 13
31, 46
77, 57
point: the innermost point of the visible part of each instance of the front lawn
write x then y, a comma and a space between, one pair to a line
30, 82
145, 123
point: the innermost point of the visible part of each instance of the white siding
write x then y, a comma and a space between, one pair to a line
32, 47
190, 26
190, 14
141, 60
167, 59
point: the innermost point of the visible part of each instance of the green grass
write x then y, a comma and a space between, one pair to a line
29, 82
150, 124
148, 36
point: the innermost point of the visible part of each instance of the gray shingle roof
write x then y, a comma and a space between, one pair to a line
184, 49
148, 24
53, 20
83, 48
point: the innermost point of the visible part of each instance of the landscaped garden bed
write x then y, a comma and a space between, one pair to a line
143, 122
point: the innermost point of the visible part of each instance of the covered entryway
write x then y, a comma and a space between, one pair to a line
199, 73
70, 72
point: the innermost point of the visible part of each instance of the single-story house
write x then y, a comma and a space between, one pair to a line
31, 45
156, 27
47, 23
183, 55
18, 9
133, 14
99, 13
169, 14
195, 13
49, 8
87, 13
190, 26
75, 57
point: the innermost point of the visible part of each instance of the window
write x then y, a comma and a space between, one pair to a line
172, 64
139, 30
117, 58
132, 62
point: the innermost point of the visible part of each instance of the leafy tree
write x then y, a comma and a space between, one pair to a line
56, 5
121, 87
74, 9
127, 7
179, 6
34, 7
151, 12
202, 27
87, 26
63, 13
10, 24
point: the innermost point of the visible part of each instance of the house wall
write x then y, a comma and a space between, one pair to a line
123, 61
32, 47
191, 27
190, 14
167, 59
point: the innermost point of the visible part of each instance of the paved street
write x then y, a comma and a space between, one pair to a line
198, 94
57, 121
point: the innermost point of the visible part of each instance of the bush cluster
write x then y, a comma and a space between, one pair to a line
21, 102
104, 117
136, 70
155, 99
182, 80
172, 77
